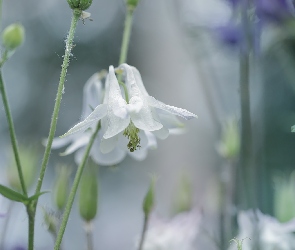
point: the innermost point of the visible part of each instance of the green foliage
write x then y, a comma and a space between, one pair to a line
284, 198
229, 146
18, 197
13, 36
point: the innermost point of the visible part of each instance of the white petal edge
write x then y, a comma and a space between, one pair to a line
78, 143
162, 133
107, 145
99, 112
171, 109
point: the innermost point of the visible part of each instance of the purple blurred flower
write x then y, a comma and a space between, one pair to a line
18, 247
230, 34
275, 11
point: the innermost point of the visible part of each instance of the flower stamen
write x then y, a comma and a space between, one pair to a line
131, 132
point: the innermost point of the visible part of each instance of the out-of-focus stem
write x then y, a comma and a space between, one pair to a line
143, 233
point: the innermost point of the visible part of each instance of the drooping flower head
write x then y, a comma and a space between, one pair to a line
128, 117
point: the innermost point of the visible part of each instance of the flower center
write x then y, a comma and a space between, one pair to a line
131, 132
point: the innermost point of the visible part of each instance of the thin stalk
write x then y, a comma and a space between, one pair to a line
126, 35
73, 192
66, 59
12, 135
89, 235
31, 231
143, 233
65, 64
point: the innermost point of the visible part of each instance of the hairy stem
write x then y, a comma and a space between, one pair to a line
126, 35
74, 190
66, 60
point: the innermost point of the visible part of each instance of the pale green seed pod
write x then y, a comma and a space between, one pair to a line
61, 187
88, 198
79, 4
13, 36
149, 199
29, 159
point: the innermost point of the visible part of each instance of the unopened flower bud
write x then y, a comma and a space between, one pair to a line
61, 187
13, 36
88, 194
183, 196
132, 3
149, 199
79, 4
29, 160
229, 146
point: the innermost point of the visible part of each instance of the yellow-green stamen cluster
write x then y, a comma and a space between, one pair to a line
131, 132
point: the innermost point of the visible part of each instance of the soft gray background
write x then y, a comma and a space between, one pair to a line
176, 66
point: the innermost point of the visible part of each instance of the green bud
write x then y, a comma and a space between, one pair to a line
61, 187
149, 199
284, 198
88, 194
29, 160
13, 36
229, 146
51, 221
79, 4
183, 197
132, 3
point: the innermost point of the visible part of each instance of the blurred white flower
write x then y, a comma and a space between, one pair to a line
269, 232
177, 233
121, 119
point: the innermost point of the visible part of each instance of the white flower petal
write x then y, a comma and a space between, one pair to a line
107, 145
112, 158
78, 143
171, 109
99, 112
59, 142
139, 154
162, 133
152, 141
115, 102
92, 95
139, 81
135, 105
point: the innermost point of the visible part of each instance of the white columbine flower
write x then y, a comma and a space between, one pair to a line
132, 117
266, 230
92, 96
178, 233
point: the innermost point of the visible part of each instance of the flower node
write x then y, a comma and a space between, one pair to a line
131, 132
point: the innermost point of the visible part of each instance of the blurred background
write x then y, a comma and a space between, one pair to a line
183, 59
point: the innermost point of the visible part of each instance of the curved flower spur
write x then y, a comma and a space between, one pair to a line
127, 119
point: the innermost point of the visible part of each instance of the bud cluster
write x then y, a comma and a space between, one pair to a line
79, 4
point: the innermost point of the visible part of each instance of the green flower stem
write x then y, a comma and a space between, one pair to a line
74, 190
143, 233
12, 135
31, 208
126, 35
69, 46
